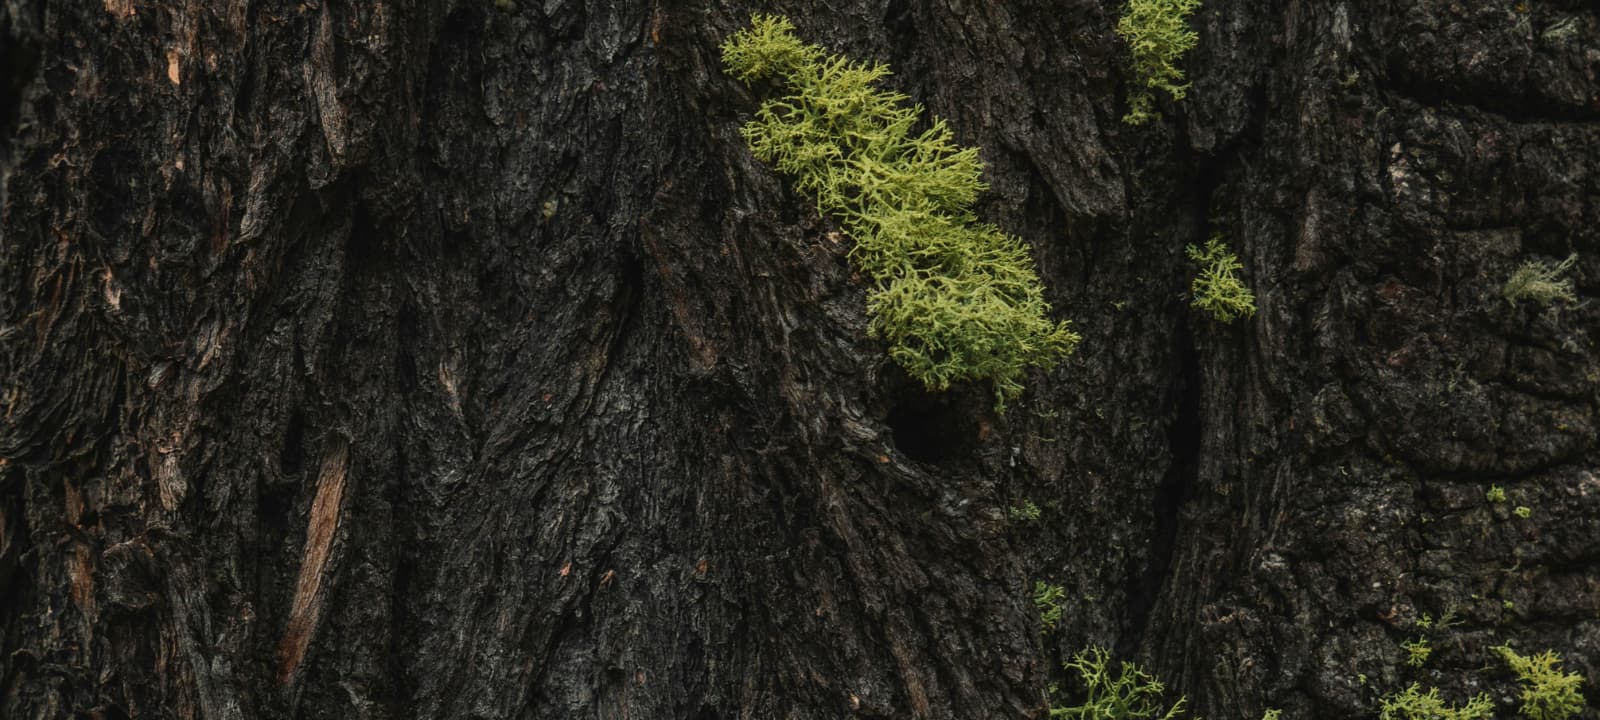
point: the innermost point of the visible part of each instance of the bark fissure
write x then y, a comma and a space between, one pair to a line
618, 444
1185, 442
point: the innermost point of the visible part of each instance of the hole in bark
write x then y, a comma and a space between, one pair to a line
365, 249
932, 428
246, 94
113, 177
18, 61
13, 535
405, 361
292, 457
897, 18
274, 507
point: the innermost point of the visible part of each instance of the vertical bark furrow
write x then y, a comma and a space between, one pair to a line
407, 359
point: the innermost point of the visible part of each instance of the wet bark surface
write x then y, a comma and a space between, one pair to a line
411, 359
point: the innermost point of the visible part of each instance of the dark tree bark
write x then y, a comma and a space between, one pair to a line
410, 359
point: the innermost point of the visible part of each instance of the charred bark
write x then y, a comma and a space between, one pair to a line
407, 359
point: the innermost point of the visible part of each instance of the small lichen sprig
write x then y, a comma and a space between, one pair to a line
1127, 693
1547, 693
1417, 651
1413, 704
1218, 289
1158, 36
1028, 511
1047, 598
955, 299
1541, 282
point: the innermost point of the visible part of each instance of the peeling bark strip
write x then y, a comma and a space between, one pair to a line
308, 595
82, 573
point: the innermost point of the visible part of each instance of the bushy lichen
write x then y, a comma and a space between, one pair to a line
1547, 693
1417, 651
1541, 282
1047, 598
955, 299
1127, 693
1158, 35
1028, 511
1413, 704
1217, 289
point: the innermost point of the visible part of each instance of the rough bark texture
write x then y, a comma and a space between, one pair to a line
405, 359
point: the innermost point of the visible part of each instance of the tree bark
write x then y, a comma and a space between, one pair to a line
417, 359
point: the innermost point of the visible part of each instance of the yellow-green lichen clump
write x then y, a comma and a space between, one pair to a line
957, 300
1158, 36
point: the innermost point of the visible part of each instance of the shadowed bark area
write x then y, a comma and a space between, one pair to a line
415, 359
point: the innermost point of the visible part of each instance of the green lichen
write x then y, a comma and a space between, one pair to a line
1413, 704
1417, 651
1541, 282
1127, 693
1028, 511
1047, 598
1158, 35
1217, 289
1496, 494
955, 299
1547, 693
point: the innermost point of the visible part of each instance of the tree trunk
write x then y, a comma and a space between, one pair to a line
409, 359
